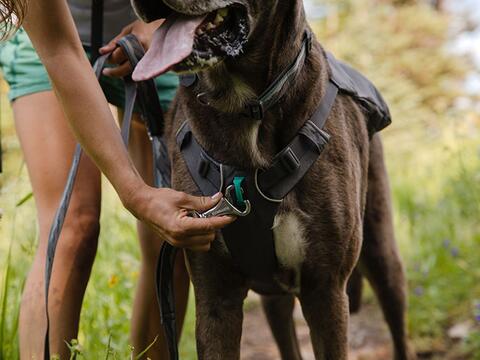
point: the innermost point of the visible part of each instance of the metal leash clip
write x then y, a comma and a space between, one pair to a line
225, 207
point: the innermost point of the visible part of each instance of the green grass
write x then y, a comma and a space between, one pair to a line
433, 153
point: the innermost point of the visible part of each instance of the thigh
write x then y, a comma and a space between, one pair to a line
48, 147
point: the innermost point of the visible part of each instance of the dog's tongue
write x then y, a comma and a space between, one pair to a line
171, 44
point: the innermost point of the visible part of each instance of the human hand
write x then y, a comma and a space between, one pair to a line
142, 31
167, 212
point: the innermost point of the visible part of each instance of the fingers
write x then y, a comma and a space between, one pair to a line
108, 48
199, 203
193, 226
117, 57
118, 71
195, 243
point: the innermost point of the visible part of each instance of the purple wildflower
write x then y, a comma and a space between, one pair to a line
454, 252
446, 243
419, 291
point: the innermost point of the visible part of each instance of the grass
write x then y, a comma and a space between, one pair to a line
433, 154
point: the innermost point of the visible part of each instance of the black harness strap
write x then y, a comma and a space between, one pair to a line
276, 90
154, 122
292, 163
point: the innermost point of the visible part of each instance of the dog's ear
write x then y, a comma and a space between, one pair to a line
151, 10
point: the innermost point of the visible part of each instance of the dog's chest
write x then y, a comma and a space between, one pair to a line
290, 246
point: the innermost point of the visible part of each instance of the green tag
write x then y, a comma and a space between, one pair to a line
237, 183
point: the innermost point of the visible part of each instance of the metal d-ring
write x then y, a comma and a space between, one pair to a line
225, 207
201, 98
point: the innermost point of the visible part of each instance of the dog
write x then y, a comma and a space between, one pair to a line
336, 222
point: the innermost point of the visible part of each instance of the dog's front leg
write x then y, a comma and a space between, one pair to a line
219, 296
326, 311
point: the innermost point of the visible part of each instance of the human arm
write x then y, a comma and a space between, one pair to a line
52, 31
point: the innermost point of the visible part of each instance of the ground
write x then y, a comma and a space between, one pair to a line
369, 338
368, 333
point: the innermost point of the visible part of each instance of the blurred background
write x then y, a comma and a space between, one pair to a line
425, 58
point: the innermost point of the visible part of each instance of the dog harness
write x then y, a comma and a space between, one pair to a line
250, 239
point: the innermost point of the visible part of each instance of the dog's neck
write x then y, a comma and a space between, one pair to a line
246, 142
273, 46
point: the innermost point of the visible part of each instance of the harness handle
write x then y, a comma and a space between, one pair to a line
154, 122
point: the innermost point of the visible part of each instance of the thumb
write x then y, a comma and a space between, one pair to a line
202, 203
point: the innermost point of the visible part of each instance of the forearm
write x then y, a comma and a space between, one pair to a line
91, 120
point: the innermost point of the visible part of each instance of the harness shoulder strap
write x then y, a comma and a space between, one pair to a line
206, 172
292, 163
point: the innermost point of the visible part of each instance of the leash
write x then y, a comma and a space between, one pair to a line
145, 95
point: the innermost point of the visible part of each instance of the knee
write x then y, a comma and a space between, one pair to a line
80, 233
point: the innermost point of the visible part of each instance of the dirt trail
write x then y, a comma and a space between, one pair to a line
369, 337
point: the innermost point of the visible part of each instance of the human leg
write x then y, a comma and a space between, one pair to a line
48, 148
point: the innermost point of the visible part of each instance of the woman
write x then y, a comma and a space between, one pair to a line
50, 26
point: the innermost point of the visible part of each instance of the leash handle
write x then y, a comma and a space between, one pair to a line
128, 44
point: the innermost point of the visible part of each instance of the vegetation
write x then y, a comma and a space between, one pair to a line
433, 151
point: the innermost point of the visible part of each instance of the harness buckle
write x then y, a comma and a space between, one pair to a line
256, 110
289, 160
203, 167
225, 207
188, 80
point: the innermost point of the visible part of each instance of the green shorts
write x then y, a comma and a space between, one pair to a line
25, 74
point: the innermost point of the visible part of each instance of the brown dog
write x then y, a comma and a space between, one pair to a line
338, 215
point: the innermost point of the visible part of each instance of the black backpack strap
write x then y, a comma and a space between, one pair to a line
130, 97
96, 29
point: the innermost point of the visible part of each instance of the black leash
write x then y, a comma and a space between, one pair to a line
152, 115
